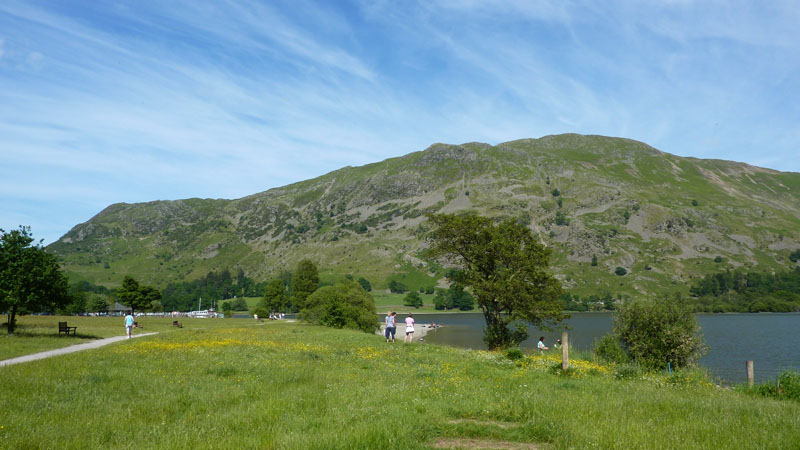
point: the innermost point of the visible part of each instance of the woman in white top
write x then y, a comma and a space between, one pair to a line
541, 344
409, 329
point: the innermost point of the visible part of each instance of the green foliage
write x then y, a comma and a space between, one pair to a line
215, 285
694, 202
786, 386
97, 303
226, 307
740, 291
561, 218
795, 256
609, 349
275, 299
365, 284
454, 297
343, 305
238, 304
412, 299
556, 192
594, 302
31, 280
135, 296
718, 259
655, 333
594, 260
261, 312
304, 282
397, 287
506, 268
621, 271
514, 354
440, 299
460, 298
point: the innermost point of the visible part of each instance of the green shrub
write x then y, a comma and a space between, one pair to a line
786, 386
343, 305
620, 271
608, 349
412, 299
261, 312
657, 333
514, 354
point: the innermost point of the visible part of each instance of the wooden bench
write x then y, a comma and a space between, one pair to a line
63, 328
175, 323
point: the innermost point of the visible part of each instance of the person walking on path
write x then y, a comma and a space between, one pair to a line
391, 325
409, 329
129, 323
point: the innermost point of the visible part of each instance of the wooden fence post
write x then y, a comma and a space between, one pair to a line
750, 377
564, 351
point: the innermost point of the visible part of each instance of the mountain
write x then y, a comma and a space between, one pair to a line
665, 219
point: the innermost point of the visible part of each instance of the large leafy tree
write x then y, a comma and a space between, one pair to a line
30, 278
136, 296
305, 281
412, 299
274, 296
507, 269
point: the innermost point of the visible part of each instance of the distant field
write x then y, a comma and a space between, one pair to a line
394, 302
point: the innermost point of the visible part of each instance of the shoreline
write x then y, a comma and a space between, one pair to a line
420, 331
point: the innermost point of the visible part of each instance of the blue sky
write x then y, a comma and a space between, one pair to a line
113, 101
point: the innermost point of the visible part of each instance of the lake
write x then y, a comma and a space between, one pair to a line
772, 341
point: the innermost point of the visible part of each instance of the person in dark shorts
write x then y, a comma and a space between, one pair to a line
391, 326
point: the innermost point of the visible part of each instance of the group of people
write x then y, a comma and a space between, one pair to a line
541, 345
391, 327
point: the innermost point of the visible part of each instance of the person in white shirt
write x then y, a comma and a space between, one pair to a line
541, 344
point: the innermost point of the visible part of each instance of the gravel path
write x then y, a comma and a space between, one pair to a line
70, 349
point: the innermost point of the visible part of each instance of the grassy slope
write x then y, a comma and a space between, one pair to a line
750, 216
284, 385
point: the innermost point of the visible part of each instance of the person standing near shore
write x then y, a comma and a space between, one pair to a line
129, 323
409, 329
391, 325
541, 344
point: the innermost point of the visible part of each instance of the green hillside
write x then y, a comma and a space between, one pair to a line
664, 218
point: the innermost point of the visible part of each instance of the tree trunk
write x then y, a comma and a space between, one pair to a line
12, 319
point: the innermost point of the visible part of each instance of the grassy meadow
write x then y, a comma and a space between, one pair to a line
243, 384
40, 333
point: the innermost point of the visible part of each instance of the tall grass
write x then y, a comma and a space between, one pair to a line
290, 385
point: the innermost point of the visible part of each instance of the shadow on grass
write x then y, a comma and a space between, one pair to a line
30, 334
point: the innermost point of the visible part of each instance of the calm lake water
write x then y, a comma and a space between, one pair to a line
772, 341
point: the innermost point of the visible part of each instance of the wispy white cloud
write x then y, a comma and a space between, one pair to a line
132, 102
